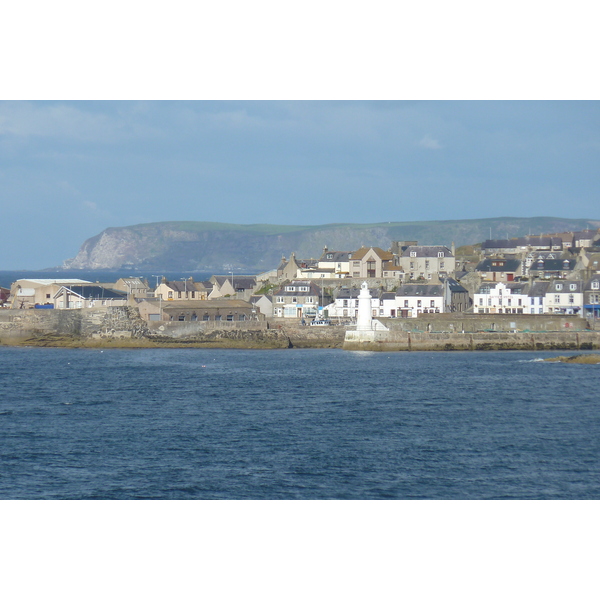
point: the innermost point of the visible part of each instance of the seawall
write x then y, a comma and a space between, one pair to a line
123, 327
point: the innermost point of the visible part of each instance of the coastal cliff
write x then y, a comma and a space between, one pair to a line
204, 246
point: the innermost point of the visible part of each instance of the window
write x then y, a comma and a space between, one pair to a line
230, 317
432, 304
290, 288
242, 317
573, 287
206, 317
179, 294
413, 254
480, 301
440, 255
559, 286
345, 303
218, 317
194, 317
556, 299
441, 264
170, 294
412, 265
181, 318
303, 288
193, 294
329, 256
294, 299
571, 299
426, 264
419, 302
406, 304
595, 285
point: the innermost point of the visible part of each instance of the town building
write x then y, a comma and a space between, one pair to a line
423, 262
299, 299
564, 297
413, 299
502, 298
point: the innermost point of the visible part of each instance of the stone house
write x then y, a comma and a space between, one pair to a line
134, 286
298, 299
423, 262
185, 289
499, 269
221, 310
369, 262
240, 286
456, 297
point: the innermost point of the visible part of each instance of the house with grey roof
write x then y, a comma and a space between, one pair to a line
549, 267
456, 297
537, 297
591, 297
501, 298
335, 261
423, 262
299, 299
564, 297
413, 299
499, 269
240, 286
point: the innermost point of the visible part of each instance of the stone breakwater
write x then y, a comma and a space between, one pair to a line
123, 327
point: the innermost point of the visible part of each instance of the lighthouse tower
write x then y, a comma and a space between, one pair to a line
364, 321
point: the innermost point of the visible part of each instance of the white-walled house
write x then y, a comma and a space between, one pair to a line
413, 299
502, 298
564, 297
537, 298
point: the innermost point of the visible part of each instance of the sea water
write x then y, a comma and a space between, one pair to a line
296, 424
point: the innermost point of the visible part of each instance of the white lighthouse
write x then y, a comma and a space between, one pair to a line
364, 320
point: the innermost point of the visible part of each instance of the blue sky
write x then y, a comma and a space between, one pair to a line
68, 170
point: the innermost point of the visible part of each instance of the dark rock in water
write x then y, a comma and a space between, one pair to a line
580, 359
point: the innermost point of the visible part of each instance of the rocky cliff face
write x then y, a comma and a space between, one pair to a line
217, 246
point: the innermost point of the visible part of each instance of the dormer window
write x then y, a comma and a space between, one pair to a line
330, 257
559, 286
440, 255
290, 288
573, 287
595, 285
413, 254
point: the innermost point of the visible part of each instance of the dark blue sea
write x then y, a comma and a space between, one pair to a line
296, 424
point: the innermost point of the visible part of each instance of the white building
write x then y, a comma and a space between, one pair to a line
564, 297
502, 298
413, 299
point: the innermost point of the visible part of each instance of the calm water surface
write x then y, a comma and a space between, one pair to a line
296, 424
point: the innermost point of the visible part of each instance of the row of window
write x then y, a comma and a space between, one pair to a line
206, 317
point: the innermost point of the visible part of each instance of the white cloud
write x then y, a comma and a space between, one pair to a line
430, 143
91, 205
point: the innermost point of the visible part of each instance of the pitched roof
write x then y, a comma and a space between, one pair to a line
362, 252
427, 251
336, 256
419, 289
93, 292
509, 265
